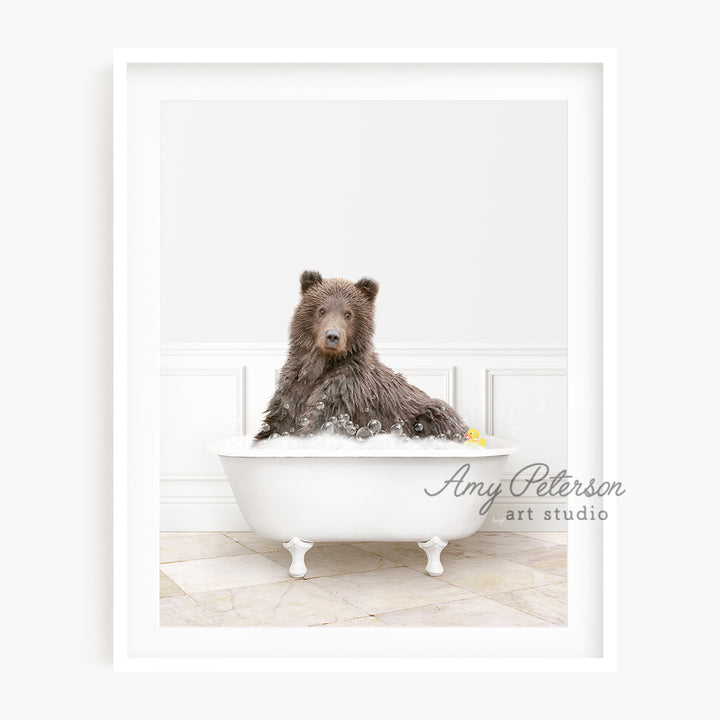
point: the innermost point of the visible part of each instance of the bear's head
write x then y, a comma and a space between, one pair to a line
334, 317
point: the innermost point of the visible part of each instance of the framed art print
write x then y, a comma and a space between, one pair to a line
396, 270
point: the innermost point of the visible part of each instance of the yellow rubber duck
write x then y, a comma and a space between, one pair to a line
472, 437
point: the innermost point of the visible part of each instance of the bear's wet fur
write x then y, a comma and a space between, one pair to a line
332, 369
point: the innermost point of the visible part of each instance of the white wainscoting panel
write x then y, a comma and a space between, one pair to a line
197, 406
437, 382
213, 391
529, 404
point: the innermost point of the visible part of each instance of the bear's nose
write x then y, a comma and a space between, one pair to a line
332, 338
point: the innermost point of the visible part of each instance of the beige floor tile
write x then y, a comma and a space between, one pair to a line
167, 587
537, 603
241, 579
473, 612
555, 537
556, 590
401, 552
493, 543
177, 546
488, 575
195, 576
256, 543
335, 559
259, 544
551, 559
390, 589
411, 555
182, 611
293, 602
364, 621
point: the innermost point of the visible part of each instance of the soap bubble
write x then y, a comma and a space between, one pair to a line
320, 405
374, 426
363, 434
350, 429
457, 437
286, 433
383, 443
292, 430
304, 421
367, 409
418, 427
286, 406
375, 397
333, 420
343, 418
264, 427
396, 429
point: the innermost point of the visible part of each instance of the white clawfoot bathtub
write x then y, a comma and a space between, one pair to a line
428, 496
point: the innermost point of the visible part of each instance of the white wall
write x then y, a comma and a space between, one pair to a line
458, 209
56, 297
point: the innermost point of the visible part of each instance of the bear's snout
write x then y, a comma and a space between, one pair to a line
332, 338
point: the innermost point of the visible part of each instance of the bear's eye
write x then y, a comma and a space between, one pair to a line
348, 314
322, 311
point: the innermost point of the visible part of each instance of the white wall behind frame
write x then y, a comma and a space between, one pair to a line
219, 389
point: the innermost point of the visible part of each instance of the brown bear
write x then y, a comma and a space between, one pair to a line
333, 381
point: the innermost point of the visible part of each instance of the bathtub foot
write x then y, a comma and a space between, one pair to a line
433, 547
297, 549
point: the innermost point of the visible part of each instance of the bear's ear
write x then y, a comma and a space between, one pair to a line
308, 279
368, 287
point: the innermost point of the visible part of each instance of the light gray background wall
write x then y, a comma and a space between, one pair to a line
56, 292
458, 209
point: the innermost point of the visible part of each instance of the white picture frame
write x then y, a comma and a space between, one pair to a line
585, 79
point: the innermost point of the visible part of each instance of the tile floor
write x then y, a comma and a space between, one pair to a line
237, 578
